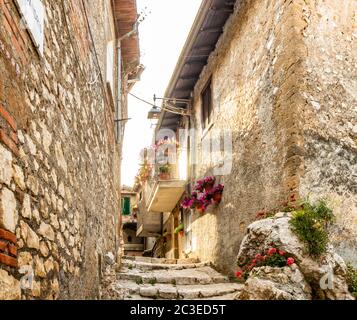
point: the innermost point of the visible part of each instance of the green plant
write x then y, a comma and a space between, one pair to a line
152, 281
139, 280
352, 280
164, 168
181, 227
310, 223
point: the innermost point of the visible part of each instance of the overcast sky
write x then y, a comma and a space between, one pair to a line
162, 36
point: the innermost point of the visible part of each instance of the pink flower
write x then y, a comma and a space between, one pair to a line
271, 251
238, 274
290, 261
282, 252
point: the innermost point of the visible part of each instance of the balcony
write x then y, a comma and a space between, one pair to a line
165, 194
161, 192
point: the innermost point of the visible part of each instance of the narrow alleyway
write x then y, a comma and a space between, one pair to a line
152, 278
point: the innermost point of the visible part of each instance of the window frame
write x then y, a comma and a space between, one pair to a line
207, 112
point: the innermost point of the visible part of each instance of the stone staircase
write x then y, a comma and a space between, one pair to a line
152, 278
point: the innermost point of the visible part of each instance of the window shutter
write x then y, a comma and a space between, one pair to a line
126, 206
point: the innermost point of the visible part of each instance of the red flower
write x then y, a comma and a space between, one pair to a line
282, 252
290, 261
258, 257
254, 261
271, 251
238, 274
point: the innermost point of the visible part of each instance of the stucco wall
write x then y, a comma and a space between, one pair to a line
60, 169
330, 113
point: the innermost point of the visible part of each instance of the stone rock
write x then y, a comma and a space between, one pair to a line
109, 258
61, 190
30, 237
24, 259
39, 267
55, 287
149, 291
8, 211
36, 289
269, 283
49, 266
36, 215
168, 293
5, 166
259, 238
19, 177
61, 161
31, 145
46, 139
10, 287
44, 249
46, 231
54, 221
26, 207
32, 184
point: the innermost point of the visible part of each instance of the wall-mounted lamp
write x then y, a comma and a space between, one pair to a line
154, 113
168, 106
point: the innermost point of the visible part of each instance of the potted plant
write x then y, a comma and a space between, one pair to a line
180, 228
217, 193
164, 172
208, 183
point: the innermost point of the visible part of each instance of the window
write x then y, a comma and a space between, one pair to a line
206, 107
126, 206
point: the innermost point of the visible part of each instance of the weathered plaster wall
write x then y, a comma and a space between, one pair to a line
330, 113
256, 72
59, 184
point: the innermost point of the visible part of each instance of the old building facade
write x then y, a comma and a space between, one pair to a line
280, 77
61, 129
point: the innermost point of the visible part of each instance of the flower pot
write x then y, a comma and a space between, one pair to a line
217, 198
181, 233
209, 186
201, 210
164, 176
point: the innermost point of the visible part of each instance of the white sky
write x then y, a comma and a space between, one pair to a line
162, 36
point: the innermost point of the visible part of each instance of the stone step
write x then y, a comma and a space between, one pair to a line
170, 292
161, 260
200, 275
132, 264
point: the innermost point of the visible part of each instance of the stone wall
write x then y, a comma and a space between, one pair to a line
330, 113
59, 163
264, 70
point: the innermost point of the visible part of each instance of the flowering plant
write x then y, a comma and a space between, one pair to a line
273, 258
199, 186
165, 142
204, 195
218, 188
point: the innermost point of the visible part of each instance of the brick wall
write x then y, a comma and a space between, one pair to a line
59, 164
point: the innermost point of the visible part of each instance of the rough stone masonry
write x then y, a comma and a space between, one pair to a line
283, 77
59, 163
